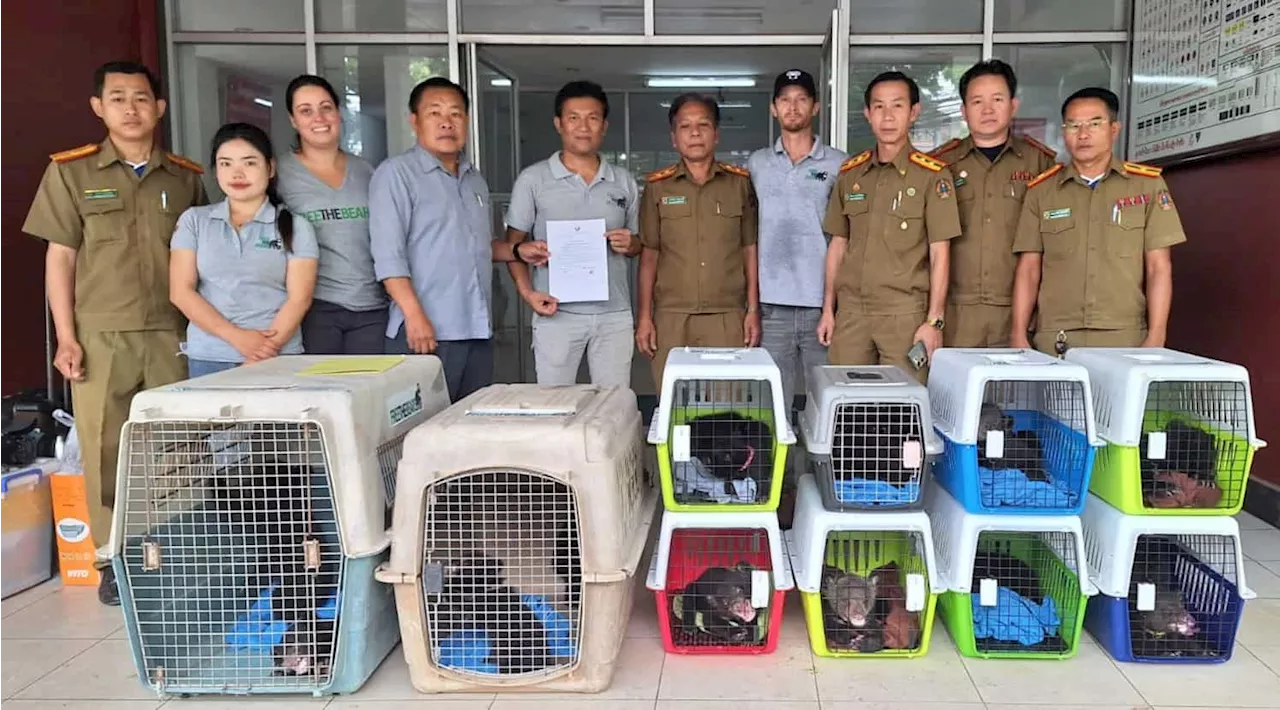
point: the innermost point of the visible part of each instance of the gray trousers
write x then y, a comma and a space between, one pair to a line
608, 339
790, 334
468, 364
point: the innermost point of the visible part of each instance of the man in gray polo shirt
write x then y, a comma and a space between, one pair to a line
432, 242
575, 183
793, 181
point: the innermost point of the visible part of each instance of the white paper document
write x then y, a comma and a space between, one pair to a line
579, 263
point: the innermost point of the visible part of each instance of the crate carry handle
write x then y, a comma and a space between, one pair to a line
5, 483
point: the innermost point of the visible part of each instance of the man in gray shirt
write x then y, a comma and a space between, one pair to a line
432, 242
577, 184
793, 182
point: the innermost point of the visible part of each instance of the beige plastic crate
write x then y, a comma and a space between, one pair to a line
548, 482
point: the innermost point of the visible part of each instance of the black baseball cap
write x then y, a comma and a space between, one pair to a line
795, 77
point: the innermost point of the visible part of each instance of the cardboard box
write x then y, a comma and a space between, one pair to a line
76, 552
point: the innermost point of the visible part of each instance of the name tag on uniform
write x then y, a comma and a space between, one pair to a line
101, 194
960, 181
673, 200
1057, 214
855, 197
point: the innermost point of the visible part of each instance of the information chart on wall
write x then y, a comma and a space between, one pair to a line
1206, 73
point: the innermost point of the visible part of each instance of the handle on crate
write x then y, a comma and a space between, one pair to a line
384, 574
5, 483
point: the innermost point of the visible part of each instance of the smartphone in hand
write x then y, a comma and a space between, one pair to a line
917, 355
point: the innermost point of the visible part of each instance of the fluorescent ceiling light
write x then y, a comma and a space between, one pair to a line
499, 82
689, 82
263, 102
723, 104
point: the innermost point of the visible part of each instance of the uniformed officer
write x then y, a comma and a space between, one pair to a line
1093, 241
108, 211
891, 217
992, 168
698, 276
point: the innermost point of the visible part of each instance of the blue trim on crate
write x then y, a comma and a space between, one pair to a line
1068, 457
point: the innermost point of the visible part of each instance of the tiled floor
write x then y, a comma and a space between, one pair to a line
61, 649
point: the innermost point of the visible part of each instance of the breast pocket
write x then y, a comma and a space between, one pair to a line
105, 221
1058, 238
906, 232
672, 211
857, 213
1124, 238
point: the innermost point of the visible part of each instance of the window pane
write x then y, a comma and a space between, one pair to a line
381, 16
375, 81
1049, 73
736, 17
1059, 16
912, 16
552, 16
936, 69
224, 83
239, 16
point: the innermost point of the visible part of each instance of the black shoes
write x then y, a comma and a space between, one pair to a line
108, 594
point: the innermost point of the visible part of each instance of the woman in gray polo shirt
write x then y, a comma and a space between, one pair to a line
330, 188
242, 270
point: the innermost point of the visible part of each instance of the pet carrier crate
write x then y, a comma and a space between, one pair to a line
722, 430
868, 437
720, 582
1017, 427
1171, 589
521, 517
1178, 430
250, 516
1016, 585
868, 582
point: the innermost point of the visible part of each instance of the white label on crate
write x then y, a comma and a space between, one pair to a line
1157, 445
404, 404
995, 444
912, 454
987, 593
1146, 596
915, 592
760, 588
680, 443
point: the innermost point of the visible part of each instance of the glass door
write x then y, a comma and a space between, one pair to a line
494, 146
832, 87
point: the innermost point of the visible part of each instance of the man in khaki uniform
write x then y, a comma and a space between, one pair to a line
992, 168
891, 217
108, 211
698, 272
1093, 241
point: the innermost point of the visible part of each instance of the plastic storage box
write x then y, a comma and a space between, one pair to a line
26, 509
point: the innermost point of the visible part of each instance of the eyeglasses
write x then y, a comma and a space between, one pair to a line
1092, 124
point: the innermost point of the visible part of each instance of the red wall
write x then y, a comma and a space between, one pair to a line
1225, 301
49, 53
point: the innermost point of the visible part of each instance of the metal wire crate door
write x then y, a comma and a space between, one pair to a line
723, 437
232, 554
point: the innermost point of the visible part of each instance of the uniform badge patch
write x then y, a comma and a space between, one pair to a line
1057, 214
855, 197
101, 194
673, 200
943, 189
1165, 200
960, 181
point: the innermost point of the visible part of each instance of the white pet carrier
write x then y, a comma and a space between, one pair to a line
1188, 604
1179, 430
868, 436
722, 430
981, 616
1017, 427
521, 516
250, 516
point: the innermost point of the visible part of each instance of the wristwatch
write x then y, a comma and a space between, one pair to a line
936, 323
515, 251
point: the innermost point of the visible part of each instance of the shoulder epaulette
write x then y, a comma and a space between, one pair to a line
662, 174
1142, 169
185, 162
83, 151
1044, 175
945, 147
735, 170
927, 162
1040, 147
855, 161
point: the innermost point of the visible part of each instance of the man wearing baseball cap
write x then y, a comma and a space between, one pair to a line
793, 181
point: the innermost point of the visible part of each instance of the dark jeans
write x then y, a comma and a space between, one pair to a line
468, 364
330, 329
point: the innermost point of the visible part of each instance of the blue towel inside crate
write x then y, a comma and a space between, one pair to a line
259, 629
861, 491
469, 649
1010, 486
1015, 618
